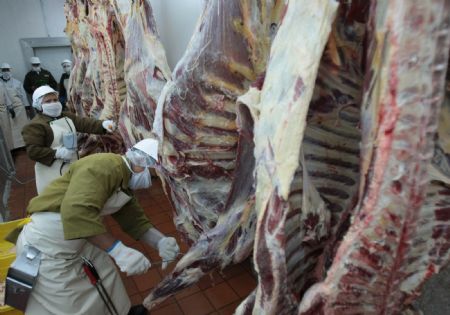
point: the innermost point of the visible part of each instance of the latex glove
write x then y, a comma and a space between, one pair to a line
168, 250
109, 125
64, 153
12, 112
129, 260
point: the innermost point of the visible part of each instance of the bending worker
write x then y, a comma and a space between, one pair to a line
66, 223
51, 136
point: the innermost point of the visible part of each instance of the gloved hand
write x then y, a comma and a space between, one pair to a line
129, 260
168, 250
109, 125
63, 153
12, 112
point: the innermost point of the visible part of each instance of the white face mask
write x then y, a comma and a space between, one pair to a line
6, 76
52, 109
67, 69
140, 180
36, 68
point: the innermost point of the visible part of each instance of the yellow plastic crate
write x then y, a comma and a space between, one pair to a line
7, 256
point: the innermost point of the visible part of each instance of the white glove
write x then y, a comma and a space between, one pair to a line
64, 153
109, 125
168, 250
128, 259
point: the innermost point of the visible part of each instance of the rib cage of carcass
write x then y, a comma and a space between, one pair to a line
120, 68
325, 160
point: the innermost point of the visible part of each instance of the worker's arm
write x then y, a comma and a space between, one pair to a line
103, 241
132, 219
35, 138
86, 124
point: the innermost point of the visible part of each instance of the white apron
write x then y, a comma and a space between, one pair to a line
12, 128
46, 174
62, 287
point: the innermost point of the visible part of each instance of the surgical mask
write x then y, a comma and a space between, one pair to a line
140, 180
52, 109
67, 69
36, 68
6, 76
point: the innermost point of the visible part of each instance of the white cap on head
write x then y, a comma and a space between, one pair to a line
39, 93
66, 61
144, 153
5, 66
148, 146
34, 60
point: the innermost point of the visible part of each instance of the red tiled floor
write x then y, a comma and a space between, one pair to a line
243, 284
217, 293
221, 295
196, 304
171, 309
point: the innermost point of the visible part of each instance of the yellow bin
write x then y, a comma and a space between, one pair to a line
7, 256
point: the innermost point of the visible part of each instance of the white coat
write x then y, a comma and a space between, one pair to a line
13, 94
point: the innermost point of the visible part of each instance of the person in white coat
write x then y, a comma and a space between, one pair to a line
13, 104
66, 224
51, 136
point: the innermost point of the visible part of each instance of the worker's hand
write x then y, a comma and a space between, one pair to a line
109, 125
129, 260
64, 153
168, 250
12, 112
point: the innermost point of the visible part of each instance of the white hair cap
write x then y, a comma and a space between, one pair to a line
144, 153
34, 60
5, 66
39, 94
66, 61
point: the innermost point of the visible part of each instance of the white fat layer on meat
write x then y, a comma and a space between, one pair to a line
285, 97
276, 130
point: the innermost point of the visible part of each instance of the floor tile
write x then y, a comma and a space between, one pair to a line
171, 309
196, 304
221, 295
243, 284
209, 280
187, 292
147, 280
136, 299
229, 309
232, 271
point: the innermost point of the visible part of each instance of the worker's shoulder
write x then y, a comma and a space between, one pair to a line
109, 161
38, 122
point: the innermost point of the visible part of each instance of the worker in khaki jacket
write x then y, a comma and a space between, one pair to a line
51, 136
66, 223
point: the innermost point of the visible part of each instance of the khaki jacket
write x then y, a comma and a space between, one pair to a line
80, 194
38, 135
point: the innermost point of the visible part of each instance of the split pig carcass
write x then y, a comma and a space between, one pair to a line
119, 71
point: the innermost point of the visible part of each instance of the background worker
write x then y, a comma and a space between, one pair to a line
44, 136
13, 104
64, 82
37, 77
66, 223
